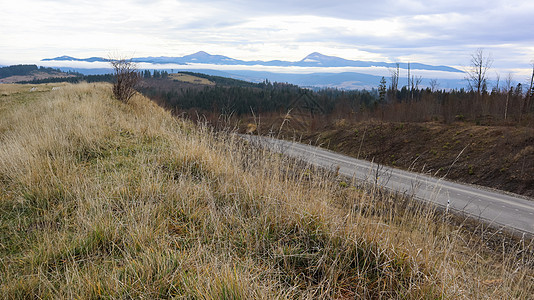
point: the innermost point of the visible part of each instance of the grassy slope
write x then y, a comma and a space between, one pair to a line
105, 199
35, 75
191, 79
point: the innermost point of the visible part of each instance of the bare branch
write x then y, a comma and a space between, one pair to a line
434, 85
476, 74
126, 78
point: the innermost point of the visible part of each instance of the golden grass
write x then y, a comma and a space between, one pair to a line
102, 199
191, 79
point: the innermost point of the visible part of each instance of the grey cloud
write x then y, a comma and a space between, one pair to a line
360, 10
491, 24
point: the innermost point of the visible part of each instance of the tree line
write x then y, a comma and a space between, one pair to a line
75, 79
510, 104
505, 103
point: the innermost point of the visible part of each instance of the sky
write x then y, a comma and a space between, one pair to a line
432, 32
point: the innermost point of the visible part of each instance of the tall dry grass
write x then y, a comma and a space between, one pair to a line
102, 199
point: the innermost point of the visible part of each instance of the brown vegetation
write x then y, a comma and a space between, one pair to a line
191, 79
126, 78
500, 157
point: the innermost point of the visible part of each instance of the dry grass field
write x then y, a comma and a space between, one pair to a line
191, 79
102, 199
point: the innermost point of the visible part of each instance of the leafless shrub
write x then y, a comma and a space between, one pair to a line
126, 78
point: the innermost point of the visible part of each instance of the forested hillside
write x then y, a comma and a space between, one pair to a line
240, 98
19, 73
510, 105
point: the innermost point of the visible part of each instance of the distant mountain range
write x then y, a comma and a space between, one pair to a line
343, 80
313, 60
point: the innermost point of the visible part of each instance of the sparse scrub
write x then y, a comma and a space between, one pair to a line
471, 170
103, 199
126, 78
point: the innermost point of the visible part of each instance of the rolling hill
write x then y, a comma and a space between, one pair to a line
19, 73
105, 199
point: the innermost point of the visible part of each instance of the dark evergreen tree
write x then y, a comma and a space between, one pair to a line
382, 90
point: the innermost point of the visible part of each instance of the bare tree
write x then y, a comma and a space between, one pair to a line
394, 81
434, 85
497, 82
126, 78
476, 74
530, 91
508, 89
408, 86
418, 80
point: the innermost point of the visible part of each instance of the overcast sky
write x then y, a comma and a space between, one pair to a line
434, 32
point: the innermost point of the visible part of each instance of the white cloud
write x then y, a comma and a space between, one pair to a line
435, 32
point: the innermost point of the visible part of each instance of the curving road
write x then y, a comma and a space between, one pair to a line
496, 208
